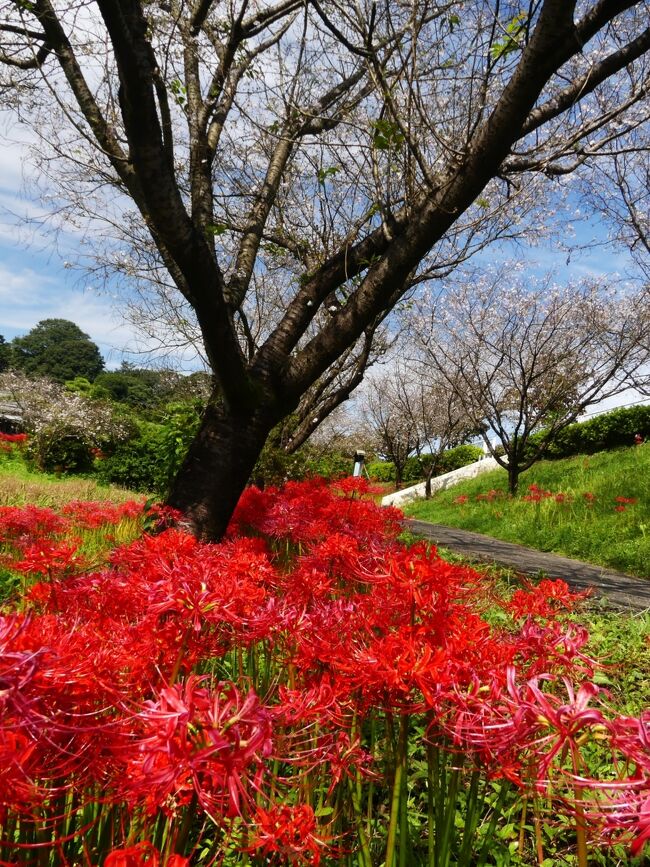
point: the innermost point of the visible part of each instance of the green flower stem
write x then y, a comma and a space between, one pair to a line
395, 807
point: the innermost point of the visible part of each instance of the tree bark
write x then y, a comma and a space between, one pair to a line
513, 478
217, 468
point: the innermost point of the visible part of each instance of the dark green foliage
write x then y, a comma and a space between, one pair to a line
5, 354
381, 471
458, 457
149, 392
330, 465
59, 349
128, 387
136, 464
608, 431
62, 449
149, 461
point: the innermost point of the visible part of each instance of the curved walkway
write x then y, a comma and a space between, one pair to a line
620, 590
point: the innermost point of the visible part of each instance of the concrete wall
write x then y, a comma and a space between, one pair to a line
407, 495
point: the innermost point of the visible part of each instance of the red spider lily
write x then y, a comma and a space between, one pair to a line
208, 742
625, 500
634, 816
141, 855
589, 497
554, 648
29, 522
545, 599
632, 738
461, 500
623, 815
308, 512
91, 515
13, 438
558, 727
641, 827
290, 832
349, 623
50, 558
490, 496
355, 486
619, 508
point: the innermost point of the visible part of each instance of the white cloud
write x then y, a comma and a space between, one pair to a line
28, 295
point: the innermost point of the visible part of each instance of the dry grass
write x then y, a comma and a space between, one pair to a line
20, 490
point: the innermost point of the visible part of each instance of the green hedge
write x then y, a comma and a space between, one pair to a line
416, 468
454, 459
608, 431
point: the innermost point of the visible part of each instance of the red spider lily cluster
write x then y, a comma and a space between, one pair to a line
9, 442
190, 703
537, 495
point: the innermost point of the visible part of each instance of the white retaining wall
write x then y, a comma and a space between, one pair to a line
439, 483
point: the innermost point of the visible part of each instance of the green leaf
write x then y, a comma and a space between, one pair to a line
514, 32
323, 174
386, 135
216, 229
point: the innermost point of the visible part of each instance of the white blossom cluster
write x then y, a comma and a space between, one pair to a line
45, 405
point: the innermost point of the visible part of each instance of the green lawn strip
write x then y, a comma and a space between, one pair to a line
585, 521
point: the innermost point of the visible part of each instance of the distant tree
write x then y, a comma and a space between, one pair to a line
59, 349
530, 358
148, 389
64, 427
412, 409
387, 409
5, 354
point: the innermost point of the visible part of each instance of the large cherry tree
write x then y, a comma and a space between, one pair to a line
288, 171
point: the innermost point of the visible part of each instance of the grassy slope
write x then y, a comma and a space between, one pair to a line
20, 486
591, 531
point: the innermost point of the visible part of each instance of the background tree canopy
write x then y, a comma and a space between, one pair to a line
59, 349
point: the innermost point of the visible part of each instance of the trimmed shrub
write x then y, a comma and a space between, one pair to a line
460, 456
608, 431
381, 471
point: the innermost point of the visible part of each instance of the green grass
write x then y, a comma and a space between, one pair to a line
590, 530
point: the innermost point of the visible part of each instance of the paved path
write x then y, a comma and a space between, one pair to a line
622, 591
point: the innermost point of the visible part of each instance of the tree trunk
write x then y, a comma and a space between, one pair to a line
217, 468
513, 478
427, 484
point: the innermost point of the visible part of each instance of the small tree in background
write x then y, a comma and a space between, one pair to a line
411, 409
64, 427
59, 349
527, 358
389, 421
